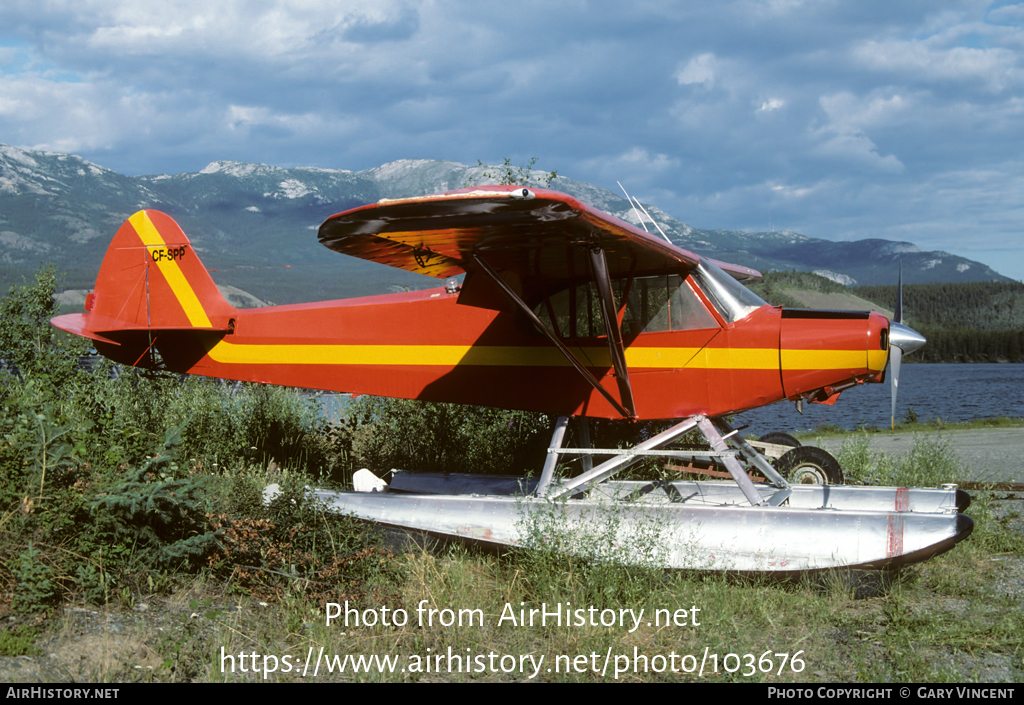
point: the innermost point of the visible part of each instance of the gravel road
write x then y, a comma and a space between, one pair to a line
988, 454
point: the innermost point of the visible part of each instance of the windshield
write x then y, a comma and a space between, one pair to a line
733, 300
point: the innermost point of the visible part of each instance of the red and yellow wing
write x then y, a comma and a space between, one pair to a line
538, 235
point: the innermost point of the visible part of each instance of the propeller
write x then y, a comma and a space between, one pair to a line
902, 339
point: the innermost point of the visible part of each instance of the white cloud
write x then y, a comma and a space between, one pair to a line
775, 8
844, 136
700, 69
788, 192
858, 150
58, 116
770, 105
637, 169
275, 28
641, 158
1007, 13
930, 60
847, 113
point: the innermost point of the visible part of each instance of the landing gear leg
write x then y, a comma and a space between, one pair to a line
552, 460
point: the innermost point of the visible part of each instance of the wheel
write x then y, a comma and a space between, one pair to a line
779, 439
808, 465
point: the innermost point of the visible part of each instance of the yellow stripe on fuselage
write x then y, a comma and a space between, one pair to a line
823, 359
445, 355
401, 355
510, 356
175, 278
877, 359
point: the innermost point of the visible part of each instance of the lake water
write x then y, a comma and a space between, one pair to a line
949, 392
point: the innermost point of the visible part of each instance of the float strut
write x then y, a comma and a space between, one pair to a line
621, 462
552, 460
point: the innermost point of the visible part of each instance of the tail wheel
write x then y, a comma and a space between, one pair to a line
808, 465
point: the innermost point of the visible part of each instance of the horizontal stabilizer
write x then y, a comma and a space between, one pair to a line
80, 324
94, 328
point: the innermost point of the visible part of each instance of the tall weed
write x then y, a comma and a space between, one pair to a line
599, 554
929, 463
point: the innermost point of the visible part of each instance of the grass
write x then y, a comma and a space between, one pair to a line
916, 632
930, 462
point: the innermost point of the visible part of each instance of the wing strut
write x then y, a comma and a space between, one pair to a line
584, 372
599, 267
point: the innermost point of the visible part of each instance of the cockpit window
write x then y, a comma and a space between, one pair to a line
652, 304
733, 300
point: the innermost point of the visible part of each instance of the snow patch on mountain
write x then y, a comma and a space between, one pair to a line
239, 170
293, 188
844, 279
14, 241
895, 248
398, 169
18, 155
320, 170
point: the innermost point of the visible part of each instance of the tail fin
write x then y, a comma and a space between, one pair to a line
151, 280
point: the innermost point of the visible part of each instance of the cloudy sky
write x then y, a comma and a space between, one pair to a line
836, 119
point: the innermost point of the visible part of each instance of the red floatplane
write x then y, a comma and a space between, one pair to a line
565, 310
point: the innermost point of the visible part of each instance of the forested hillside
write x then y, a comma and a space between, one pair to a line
963, 322
970, 305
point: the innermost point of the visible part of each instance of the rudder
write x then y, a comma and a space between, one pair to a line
151, 277
150, 280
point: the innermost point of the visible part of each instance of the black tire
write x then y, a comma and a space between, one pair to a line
808, 465
780, 439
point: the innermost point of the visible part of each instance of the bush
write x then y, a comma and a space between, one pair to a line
28, 343
294, 546
112, 476
436, 437
35, 587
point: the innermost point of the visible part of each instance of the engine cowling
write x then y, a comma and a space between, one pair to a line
824, 352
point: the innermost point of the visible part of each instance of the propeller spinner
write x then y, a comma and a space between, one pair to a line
902, 339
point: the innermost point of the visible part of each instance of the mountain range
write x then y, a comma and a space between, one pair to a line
256, 226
